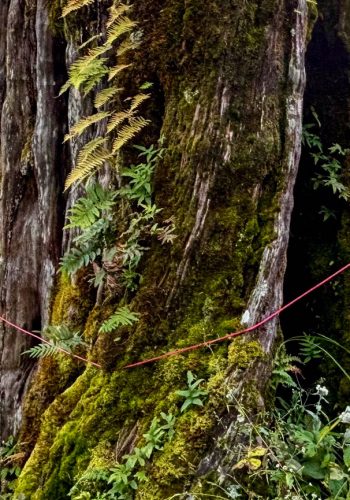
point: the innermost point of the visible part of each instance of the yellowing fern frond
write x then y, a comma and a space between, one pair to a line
128, 132
89, 149
84, 123
91, 39
125, 46
137, 100
123, 25
117, 119
105, 95
116, 11
87, 166
74, 5
116, 70
92, 54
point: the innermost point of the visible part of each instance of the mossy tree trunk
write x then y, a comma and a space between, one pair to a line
229, 83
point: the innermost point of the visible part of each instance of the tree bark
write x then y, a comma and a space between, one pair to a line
229, 80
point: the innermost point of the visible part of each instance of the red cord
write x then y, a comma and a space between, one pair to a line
31, 334
241, 332
192, 347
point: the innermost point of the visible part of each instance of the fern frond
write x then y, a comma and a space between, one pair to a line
84, 123
91, 39
77, 258
113, 72
128, 132
74, 5
117, 119
122, 317
88, 209
116, 11
105, 95
137, 100
87, 166
89, 149
42, 351
125, 46
86, 76
65, 87
84, 61
123, 25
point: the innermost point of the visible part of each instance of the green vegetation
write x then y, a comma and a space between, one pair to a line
89, 416
85, 74
122, 317
302, 454
193, 394
59, 337
329, 165
9, 468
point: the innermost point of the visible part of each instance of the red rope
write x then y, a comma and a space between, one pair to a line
31, 334
241, 332
192, 347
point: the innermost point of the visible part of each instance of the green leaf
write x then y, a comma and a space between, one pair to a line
346, 456
313, 470
122, 317
42, 351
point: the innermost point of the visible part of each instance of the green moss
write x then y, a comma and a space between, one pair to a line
72, 302
100, 406
242, 353
56, 22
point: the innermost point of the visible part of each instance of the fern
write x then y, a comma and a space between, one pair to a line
122, 317
309, 348
42, 351
85, 123
115, 12
120, 27
89, 149
86, 76
283, 366
88, 41
105, 95
87, 166
77, 258
93, 236
113, 72
75, 5
87, 210
117, 119
128, 132
125, 46
60, 337
137, 100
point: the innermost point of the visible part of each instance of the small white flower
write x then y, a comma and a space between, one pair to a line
240, 419
321, 390
345, 416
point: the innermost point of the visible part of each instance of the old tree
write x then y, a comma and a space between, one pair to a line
178, 246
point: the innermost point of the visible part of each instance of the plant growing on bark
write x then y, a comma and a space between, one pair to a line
122, 124
329, 164
114, 256
193, 394
122, 481
9, 469
122, 317
60, 337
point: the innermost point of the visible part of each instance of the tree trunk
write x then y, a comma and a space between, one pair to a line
229, 80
